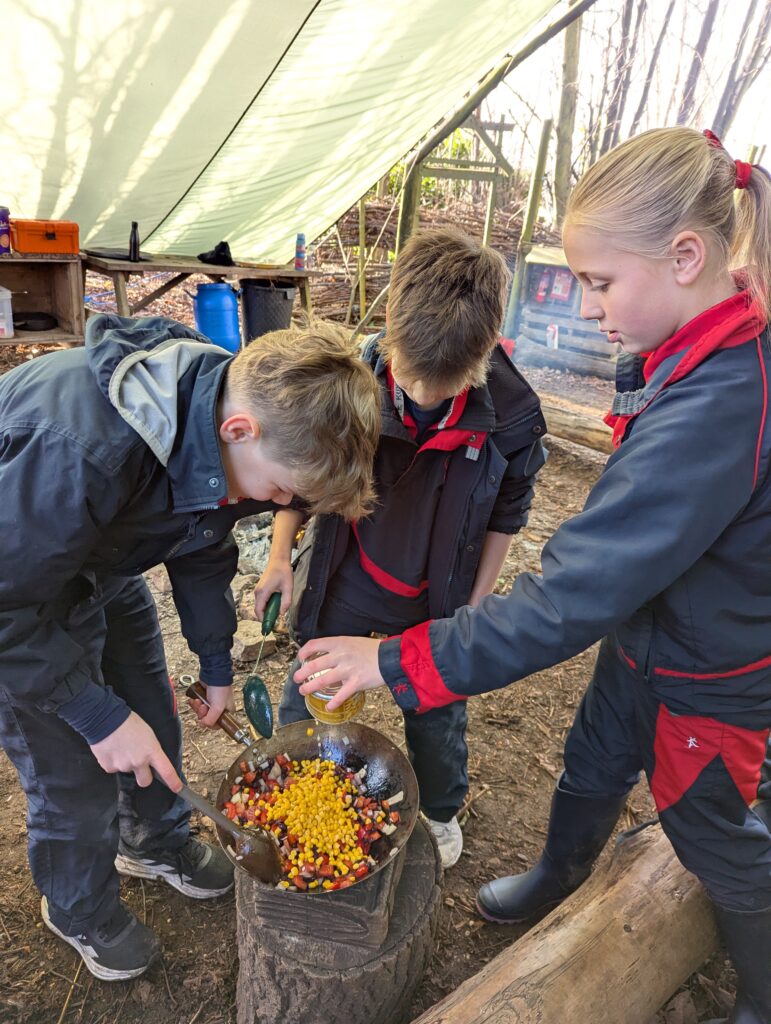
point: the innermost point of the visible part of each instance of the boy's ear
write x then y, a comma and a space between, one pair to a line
689, 256
239, 427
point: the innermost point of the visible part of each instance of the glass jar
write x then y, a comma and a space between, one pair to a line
316, 702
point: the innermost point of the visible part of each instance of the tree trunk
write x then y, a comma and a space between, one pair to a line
737, 83
616, 92
651, 70
293, 978
623, 90
613, 951
688, 101
567, 117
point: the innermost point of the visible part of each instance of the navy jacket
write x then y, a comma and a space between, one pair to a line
109, 465
672, 551
437, 501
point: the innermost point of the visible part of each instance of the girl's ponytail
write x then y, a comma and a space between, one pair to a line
752, 242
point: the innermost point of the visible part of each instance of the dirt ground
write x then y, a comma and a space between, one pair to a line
515, 736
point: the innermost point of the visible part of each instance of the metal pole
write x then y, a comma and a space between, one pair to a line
525, 239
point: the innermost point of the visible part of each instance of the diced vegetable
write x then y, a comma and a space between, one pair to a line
321, 815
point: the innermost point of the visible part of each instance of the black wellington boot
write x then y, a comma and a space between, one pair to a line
579, 827
747, 935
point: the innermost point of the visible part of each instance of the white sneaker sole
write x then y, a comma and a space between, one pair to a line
452, 859
87, 954
138, 869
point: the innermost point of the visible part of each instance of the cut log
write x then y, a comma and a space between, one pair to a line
581, 428
287, 977
615, 950
532, 354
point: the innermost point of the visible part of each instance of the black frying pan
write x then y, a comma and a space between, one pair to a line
350, 745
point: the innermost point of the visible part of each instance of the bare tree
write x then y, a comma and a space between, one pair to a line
567, 117
651, 69
616, 91
738, 82
594, 123
687, 103
622, 91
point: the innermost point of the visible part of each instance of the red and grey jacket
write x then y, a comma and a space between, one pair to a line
473, 472
672, 551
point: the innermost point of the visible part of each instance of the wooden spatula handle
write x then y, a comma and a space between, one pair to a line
227, 721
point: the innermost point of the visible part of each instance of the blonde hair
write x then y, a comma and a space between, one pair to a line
445, 308
667, 180
318, 406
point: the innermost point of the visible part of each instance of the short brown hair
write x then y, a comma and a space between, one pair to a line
445, 308
318, 406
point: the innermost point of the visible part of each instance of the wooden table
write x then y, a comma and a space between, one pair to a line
182, 267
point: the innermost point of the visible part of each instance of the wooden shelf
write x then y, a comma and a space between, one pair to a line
52, 284
57, 336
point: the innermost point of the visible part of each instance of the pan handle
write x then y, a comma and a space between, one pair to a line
227, 721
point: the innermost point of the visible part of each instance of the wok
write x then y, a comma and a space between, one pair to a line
351, 745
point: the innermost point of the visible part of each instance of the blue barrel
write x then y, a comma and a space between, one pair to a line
216, 314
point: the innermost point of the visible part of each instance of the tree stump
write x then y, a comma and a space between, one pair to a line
615, 950
310, 979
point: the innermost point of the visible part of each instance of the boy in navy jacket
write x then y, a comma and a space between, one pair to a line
142, 448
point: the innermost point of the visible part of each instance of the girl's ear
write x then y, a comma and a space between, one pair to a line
689, 255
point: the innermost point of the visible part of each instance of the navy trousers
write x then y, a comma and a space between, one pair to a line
436, 740
703, 775
76, 811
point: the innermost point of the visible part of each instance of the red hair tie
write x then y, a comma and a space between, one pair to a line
743, 169
743, 173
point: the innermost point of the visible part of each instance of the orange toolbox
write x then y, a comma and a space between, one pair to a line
44, 236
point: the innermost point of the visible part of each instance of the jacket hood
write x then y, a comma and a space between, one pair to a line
138, 365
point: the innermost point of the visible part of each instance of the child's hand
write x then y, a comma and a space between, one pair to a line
278, 576
133, 747
350, 660
219, 699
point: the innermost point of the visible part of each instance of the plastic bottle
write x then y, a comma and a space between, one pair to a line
6, 314
5, 230
299, 252
133, 247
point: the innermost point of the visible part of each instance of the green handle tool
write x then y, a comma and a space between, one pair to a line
257, 704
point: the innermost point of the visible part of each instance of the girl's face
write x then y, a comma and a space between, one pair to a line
635, 300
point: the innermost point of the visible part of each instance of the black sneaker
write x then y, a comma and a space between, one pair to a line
196, 869
119, 948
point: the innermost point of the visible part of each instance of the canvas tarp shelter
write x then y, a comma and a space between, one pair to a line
244, 120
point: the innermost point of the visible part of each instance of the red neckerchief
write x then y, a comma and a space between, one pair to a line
732, 322
447, 436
